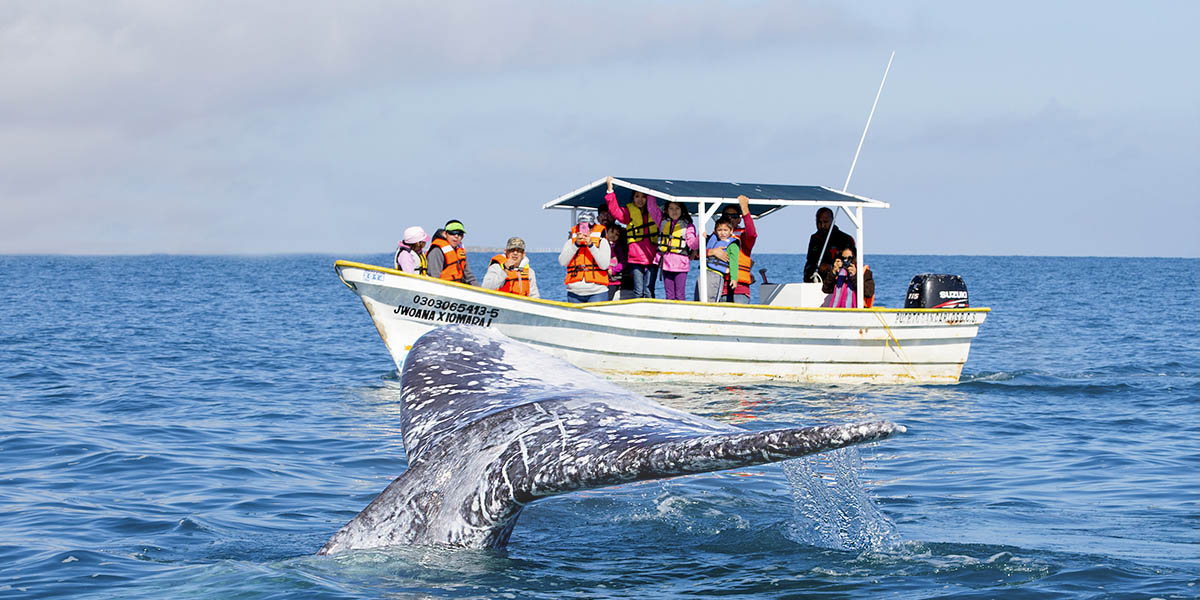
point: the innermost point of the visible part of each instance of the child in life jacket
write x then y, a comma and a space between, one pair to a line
642, 237
734, 261
676, 240
616, 264
409, 257
842, 282
722, 249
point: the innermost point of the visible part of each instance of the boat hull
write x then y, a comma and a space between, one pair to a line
652, 339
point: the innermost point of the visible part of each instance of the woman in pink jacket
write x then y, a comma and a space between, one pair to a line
642, 233
676, 242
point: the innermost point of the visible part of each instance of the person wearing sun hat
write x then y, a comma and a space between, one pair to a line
447, 257
409, 257
510, 272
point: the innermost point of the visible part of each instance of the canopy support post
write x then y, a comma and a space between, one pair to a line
862, 264
703, 279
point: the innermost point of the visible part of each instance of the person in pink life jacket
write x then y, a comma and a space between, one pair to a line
676, 241
642, 235
616, 263
842, 282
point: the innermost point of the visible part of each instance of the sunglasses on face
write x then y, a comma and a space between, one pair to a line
458, 233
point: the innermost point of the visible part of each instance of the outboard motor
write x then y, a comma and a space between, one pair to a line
928, 290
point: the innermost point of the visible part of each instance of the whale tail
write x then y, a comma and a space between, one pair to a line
490, 425
556, 472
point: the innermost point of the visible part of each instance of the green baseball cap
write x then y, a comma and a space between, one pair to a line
454, 227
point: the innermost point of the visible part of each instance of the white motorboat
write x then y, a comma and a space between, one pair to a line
789, 337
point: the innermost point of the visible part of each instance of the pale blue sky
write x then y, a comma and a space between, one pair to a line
224, 127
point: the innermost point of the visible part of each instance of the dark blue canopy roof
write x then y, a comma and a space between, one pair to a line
764, 198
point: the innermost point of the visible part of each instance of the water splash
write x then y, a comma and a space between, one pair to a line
832, 509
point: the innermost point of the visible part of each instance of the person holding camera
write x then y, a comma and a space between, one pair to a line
841, 280
586, 254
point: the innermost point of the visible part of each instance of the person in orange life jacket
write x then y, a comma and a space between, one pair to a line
721, 250
739, 269
447, 257
841, 280
676, 241
838, 240
642, 235
409, 257
587, 255
616, 264
510, 272
735, 215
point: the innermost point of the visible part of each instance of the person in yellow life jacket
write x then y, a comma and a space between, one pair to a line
586, 255
409, 257
641, 235
446, 256
510, 272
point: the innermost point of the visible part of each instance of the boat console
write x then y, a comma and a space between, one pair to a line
806, 295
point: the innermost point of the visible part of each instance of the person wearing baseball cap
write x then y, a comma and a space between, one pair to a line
447, 257
510, 272
409, 257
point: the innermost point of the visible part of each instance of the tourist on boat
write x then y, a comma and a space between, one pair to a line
837, 241
616, 264
586, 254
721, 250
676, 241
605, 218
739, 271
510, 272
641, 236
409, 257
841, 280
446, 256
735, 215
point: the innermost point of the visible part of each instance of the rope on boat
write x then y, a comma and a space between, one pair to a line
892, 337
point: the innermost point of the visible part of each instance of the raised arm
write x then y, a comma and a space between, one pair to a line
616, 210
749, 233
652, 207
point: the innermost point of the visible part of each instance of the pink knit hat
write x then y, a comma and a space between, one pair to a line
415, 234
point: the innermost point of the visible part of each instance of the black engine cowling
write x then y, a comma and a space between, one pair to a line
928, 290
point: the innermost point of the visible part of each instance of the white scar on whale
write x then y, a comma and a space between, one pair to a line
490, 425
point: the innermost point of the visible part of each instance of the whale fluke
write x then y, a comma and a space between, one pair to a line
490, 425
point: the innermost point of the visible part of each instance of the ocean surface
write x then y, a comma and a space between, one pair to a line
198, 426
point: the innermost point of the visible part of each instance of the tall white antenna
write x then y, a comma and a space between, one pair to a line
869, 117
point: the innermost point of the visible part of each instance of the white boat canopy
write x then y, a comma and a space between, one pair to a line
765, 198
705, 198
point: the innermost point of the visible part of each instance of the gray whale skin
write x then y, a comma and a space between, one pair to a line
491, 424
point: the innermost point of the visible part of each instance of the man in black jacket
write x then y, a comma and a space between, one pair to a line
838, 241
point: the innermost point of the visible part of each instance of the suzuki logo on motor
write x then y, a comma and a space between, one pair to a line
952, 294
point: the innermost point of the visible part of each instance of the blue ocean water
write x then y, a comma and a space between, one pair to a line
198, 426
